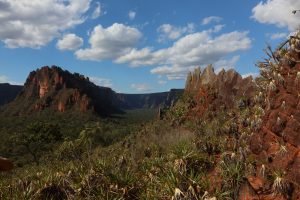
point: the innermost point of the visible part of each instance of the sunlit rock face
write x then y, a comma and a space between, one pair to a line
60, 90
211, 90
276, 145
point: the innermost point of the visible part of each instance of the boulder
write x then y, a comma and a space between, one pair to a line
5, 164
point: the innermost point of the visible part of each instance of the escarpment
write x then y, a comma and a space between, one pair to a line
59, 90
52, 88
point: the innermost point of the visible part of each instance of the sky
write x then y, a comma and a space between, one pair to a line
139, 46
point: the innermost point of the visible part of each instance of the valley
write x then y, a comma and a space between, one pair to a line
222, 137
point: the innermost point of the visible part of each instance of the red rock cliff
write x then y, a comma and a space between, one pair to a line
54, 88
276, 145
214, 91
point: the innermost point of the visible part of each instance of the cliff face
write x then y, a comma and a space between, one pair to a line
8, 92
209, 90
60, 90
154, 100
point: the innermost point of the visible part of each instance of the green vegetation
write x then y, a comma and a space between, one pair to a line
38, 137
124, 158
32, 138
138, 156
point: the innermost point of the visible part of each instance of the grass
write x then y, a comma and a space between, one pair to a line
121, 170
137, 115
134, 156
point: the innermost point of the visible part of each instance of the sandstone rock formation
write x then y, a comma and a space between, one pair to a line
276, 145
59, 90
217, 91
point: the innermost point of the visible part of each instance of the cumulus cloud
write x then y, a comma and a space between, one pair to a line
170, 32
141, 87
226, 63
162, 82
33, 24
254, 75
69, 42
185, 54
211, 19
173, 72
217, 28
276, 36
131, 15
118, 43
109, 43
137, 57
97, 12
277, 12
5, 79
101, 81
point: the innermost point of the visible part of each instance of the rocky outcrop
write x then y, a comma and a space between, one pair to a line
209, 90
8, 92
59, 90
276, 145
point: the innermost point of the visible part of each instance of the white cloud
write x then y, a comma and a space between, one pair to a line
217, 28
162, 82
277, 12
5, 79
97, 12
226, 64
254, 75
170, 32
131, 15
33, 23
173, 72
69, 42
276, 36
180, 73
101, 81
211, 19
110, 43
118, 43
185, 54
141, 87
137, 57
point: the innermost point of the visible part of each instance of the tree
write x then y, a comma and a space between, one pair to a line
87, 139
39, 137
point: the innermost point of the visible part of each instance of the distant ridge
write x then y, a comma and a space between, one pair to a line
151, 100
59, 90
8, 92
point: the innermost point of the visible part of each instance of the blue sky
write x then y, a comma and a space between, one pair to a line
138, 46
